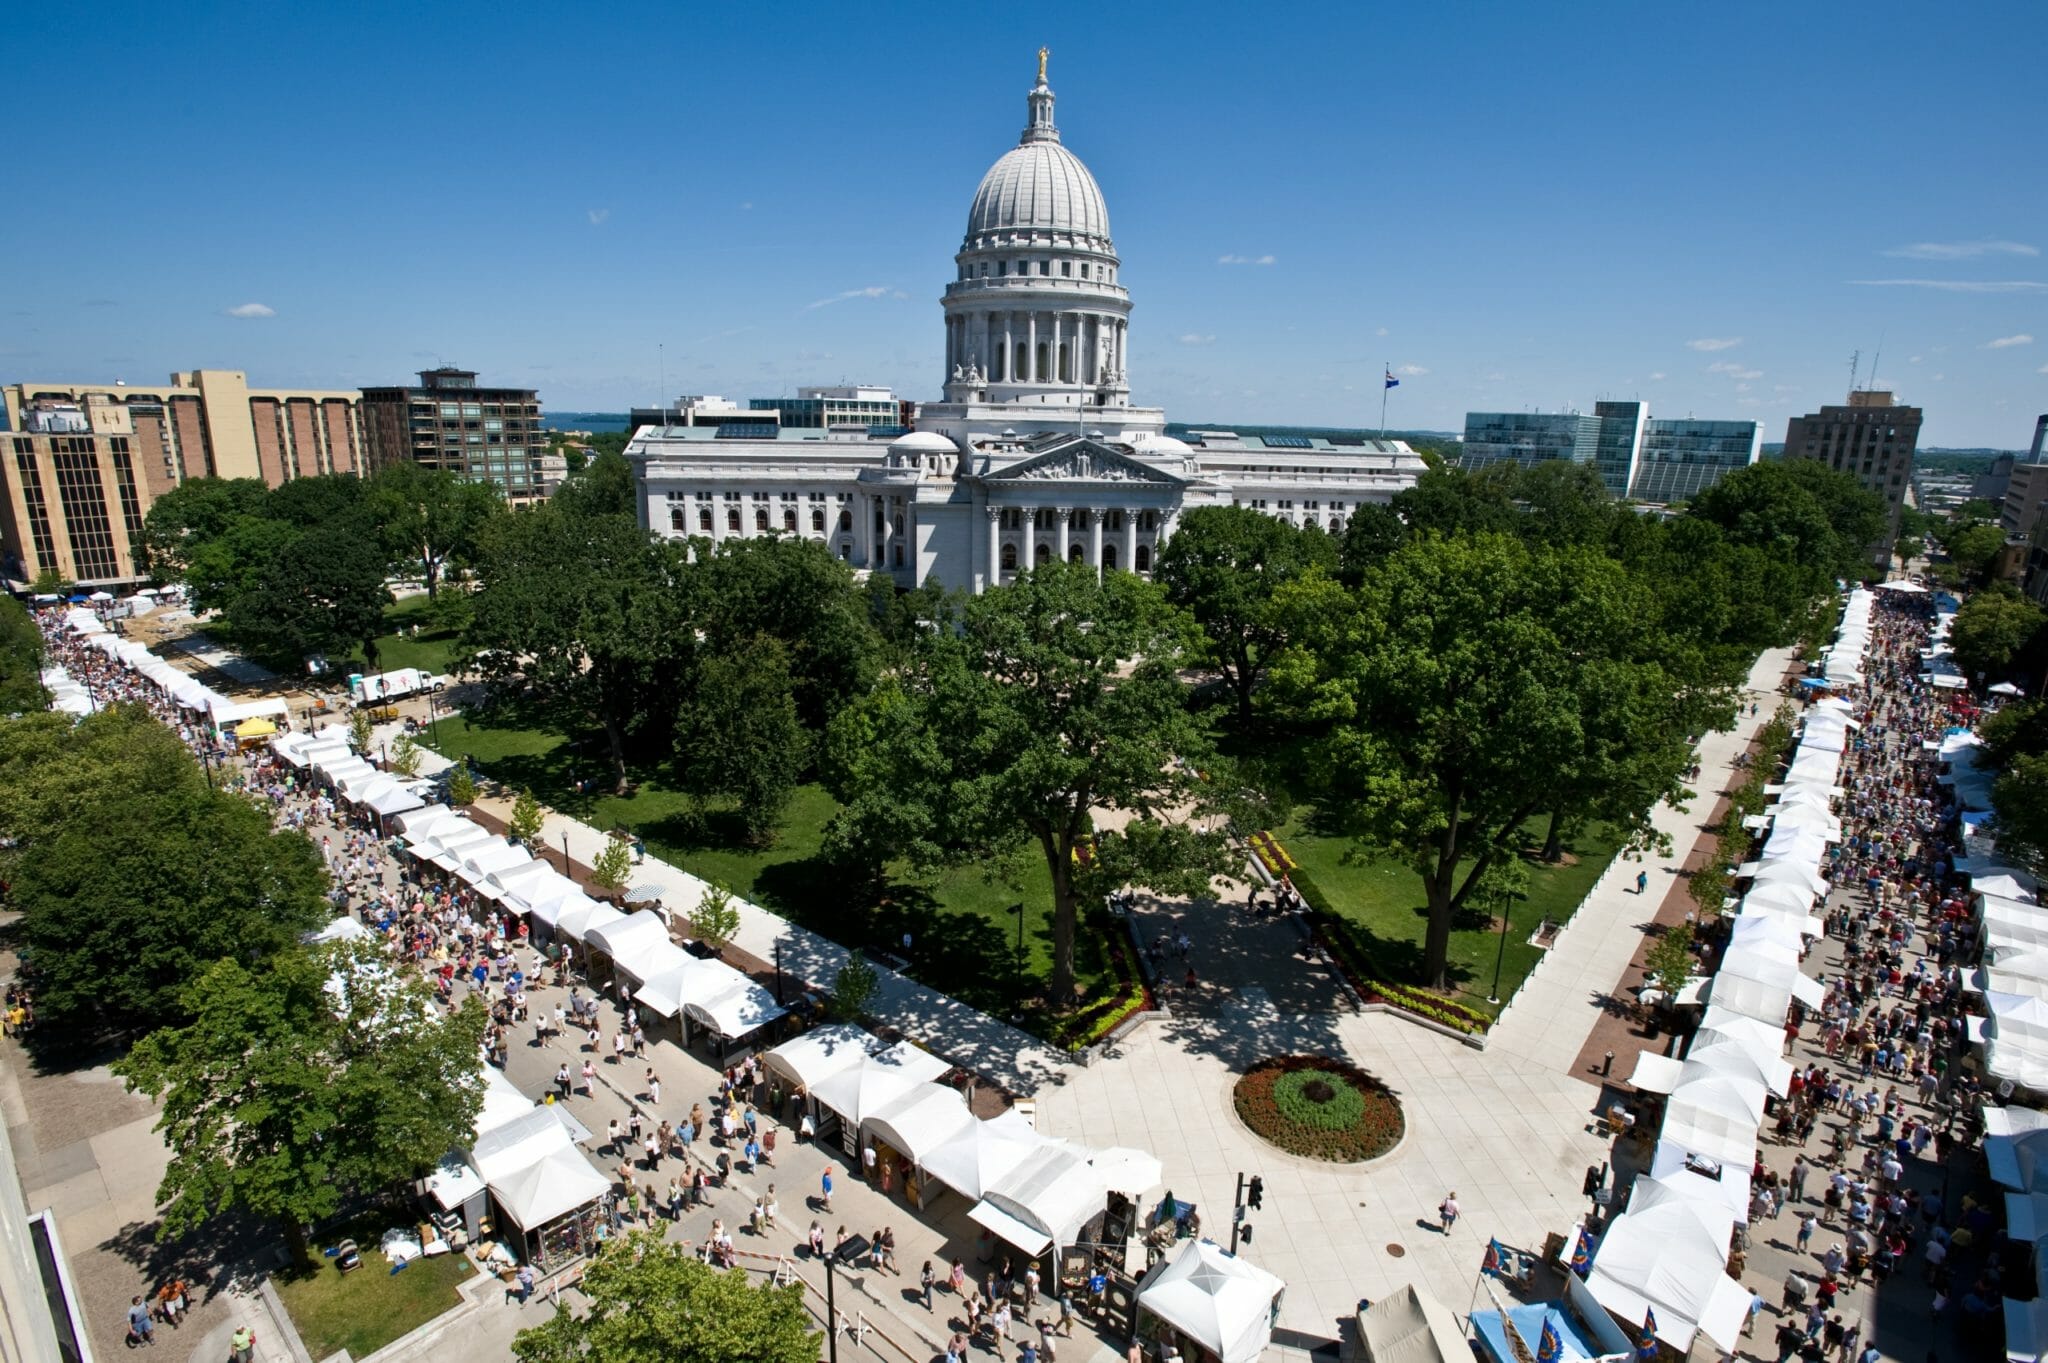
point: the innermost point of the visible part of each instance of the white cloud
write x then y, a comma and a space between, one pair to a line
1734, 370
1742, 388
1939, 377
1381, 332
1244, 260
871, 291
1496, 377
1715, 343
1962, 250
1959, 285
597, 215
2008, 342
2042, 370
1197, 338
1912, 359
1411, 370
1657, 376
747, 206
251, 310
1784, 388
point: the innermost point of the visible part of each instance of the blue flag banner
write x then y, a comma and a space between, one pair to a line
1550, 1347
1582, 1254
1496, 1260
1392, 382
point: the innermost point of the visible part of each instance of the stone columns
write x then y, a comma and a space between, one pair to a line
995, 547
1027, 552
1061, 515
1009, 352
1095, 540
1031, 347
1131, 538
864, 524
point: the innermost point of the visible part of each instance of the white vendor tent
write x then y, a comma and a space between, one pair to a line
483, 862
982, 1153
1410, 1326
2026, 1216
503, 886
859, 1091
1688, 1175
923, 1119
1044, 1202
626, 940
418, 823
732, 1005
550, 889
340, 930
1669, 1253
810, 1059
2026, 1330
672, 977
1216, 1300
575, 923
1753, 1043
2019, 1162
551, 1187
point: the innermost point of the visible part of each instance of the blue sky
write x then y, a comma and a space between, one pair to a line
1516, 205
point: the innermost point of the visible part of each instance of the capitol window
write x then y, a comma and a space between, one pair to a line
1067, 267
1084, 269
1002, 267
761, 519
732, 519
817, 520
704, 519
1045, 267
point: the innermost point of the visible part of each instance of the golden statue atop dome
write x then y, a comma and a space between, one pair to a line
1043, 53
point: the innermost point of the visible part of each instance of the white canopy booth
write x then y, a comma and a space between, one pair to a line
1790, 899
1410, 1326
415, 824
803, 1061
730, 1008
618, 942
1669, 1254
1044, 1205
1800, 876
983, 1153
855, 1093
553, 903
2026, 1330
446, 849
504, 886
911, 1127
1690, 1175
386, 797
1220, 1308
489, 859
575, 924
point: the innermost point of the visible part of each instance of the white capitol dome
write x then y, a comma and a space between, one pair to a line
1039, 187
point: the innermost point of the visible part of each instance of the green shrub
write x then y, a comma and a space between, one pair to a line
1315, 1098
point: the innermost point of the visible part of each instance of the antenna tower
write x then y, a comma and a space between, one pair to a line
1855, 362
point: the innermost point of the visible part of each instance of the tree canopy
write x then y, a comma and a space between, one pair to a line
1043, 702
133, 876
304, 1079
655, 1302
1993, 629
430, 517
1223, 566
1469, 683
21, 660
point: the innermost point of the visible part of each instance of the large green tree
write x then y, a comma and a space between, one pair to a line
21, 660
429, 517
323, 592
587, 616
304, 1079
1470, 683
133, 876
602, 487
1973, 550
794, 591
737, 733
195, 512
654, 1302
1222, 567
1993, 628
1050, 700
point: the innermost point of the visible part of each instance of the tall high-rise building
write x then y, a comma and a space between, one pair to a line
84, 462
1639, 457
447, 422
1872, 438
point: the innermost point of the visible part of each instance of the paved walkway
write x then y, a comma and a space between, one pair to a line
1547, 1020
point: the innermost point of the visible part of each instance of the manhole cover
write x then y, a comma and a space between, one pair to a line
1395, 1251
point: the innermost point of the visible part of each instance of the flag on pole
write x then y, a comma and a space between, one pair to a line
1647, 1348
1392, 382
1496, 1260
1582, 1254
1550, 1347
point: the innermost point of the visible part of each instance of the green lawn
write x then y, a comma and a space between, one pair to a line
1386, 900
398, 648
961, 923
1385, 897
372, 1306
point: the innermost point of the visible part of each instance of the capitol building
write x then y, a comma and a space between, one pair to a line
1036, 452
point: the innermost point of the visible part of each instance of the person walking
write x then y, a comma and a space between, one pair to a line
242, 1344
1642, 882
1447, 1211
925, 1280
825, 1186
1798, 1180
141, 1329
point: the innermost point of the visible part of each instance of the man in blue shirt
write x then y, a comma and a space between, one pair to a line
139, 1323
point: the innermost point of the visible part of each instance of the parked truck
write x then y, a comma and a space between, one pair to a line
382, 686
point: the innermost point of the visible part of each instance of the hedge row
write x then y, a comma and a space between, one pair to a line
1344, 940
1101, 1016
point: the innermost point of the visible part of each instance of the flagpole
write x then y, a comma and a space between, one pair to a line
1388, 369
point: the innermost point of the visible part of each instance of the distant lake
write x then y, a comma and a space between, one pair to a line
597, 423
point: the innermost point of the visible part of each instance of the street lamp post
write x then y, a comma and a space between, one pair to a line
1018, 909
565, 855
778, 972
831, 1309
1500, 956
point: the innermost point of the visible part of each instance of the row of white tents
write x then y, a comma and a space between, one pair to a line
1668, 1253
184, 689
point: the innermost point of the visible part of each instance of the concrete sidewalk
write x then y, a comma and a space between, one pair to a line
1547, 1021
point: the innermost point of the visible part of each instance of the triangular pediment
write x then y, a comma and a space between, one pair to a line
1082, 461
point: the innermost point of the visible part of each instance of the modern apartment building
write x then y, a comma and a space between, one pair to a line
447, 422
84, 462
812, 409
1871, 437
1637, 456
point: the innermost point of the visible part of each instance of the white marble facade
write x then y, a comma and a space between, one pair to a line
1035, 453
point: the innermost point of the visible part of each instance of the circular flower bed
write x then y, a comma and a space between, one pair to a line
1326, 1109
